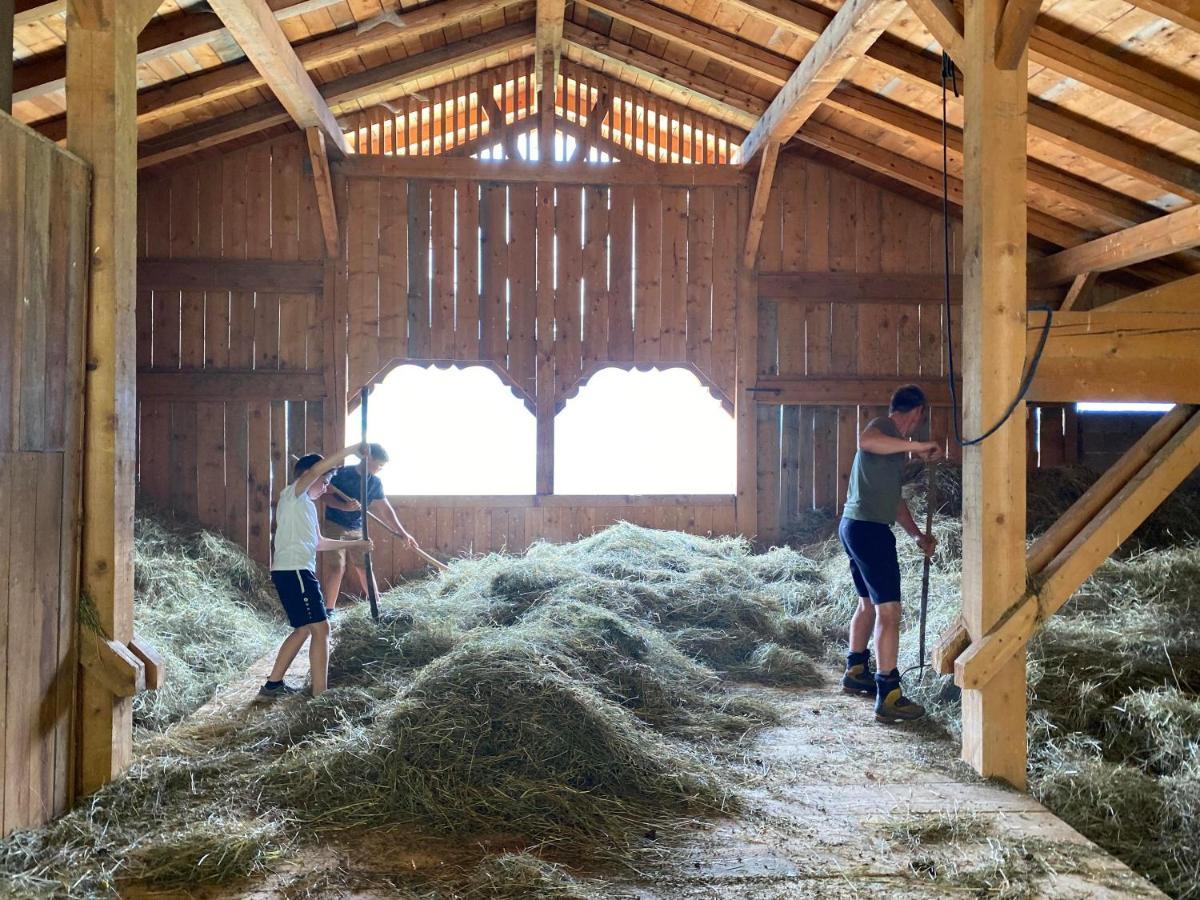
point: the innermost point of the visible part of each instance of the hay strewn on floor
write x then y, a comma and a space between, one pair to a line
207, 608
573, 696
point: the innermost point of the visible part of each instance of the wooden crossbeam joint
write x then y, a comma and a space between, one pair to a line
1012, 34
943, 21
323, 182
156, 666
111, 663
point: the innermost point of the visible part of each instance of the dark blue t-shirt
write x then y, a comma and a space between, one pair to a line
348, 480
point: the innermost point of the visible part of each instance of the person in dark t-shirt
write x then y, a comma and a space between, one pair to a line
344, 520
873, 504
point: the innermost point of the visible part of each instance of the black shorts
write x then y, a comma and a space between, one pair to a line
874, 566
300, 593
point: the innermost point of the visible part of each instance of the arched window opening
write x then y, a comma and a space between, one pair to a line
450, 431
657, 432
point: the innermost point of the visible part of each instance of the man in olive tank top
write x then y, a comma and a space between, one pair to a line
873, 504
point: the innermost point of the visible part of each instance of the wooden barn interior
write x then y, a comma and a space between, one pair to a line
221, 219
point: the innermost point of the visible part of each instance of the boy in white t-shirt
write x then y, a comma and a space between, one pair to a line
293, 570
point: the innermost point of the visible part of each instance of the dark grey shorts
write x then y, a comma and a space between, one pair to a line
874, 565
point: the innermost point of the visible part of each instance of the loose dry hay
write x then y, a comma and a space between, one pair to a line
573, 696
205, 606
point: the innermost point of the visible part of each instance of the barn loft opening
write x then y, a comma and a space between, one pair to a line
452, 431
633, 432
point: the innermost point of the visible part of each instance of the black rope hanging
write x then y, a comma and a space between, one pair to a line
950, 76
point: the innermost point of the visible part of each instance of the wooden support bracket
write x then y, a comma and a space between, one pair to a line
111, 663
1014, 30
1079, 290
950, 646
323, 181
758, 209
1099, 537
943, 21
156, 666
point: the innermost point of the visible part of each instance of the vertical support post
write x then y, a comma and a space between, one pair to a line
746, 374
8, 15
546, 114
101, 128
545, 339
994, 220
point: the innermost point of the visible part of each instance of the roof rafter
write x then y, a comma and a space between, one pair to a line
1181, 12
254, 27
382, 82
943, 21
837, 51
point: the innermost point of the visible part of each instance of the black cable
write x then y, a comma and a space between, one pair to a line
948, 74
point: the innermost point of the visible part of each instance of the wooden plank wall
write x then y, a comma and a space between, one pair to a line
215, 459
44, 202
445, 270
820, 219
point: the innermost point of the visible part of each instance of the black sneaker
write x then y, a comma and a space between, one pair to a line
275, 691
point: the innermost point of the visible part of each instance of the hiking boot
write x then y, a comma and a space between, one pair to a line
275, 691
858, 677
890, 703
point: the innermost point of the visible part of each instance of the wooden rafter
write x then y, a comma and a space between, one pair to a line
1181, 12
1167, 234
1079, 290
347, 92
1111, 148
29, 11
943, 21
253, 25
837, 51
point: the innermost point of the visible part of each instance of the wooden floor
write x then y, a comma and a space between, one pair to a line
837, 810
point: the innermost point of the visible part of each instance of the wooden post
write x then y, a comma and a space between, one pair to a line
546, 392
7, 17
994, 220
549, 89
102, 86
745, 377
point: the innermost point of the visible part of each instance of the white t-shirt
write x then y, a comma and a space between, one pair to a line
296, 532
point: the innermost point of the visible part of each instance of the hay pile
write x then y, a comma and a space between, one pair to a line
573, 697
204, 605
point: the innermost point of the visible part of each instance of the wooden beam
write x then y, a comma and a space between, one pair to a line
745, 409
994, 343
152, 661
102, 83
1012, 35
857, 287
231, 385
323, 182
257, 32
198, 274
835, 54
1150, 240
1079, 290
165, 37
1182, 296
1118, 150
111, 665
347, 92
144, 11
849, 390
548, 48
943, 21
977, 667
758, 208
28, 12
523, 171
1182, 12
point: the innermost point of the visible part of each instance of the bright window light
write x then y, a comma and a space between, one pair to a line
630, 432
1124, 407
450, 431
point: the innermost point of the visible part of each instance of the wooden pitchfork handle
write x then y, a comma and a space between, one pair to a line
390, 529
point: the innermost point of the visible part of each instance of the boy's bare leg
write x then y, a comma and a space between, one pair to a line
360, 575
887, 635
287, 652
318, 656
862, 623
331, 584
